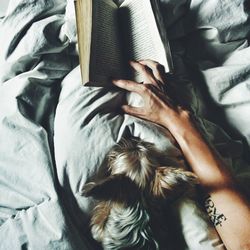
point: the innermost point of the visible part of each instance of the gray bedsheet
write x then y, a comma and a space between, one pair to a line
54, 133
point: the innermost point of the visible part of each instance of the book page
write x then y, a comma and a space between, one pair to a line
143, 40
106, 58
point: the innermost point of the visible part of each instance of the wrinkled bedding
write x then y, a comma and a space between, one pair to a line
55, 133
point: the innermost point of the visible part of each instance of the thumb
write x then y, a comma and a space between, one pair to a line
135, 111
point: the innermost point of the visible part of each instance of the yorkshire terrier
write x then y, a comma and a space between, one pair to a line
131, 199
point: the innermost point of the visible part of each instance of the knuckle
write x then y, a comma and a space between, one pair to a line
184, 112
148, 89
144, 87
121, 82
127, 82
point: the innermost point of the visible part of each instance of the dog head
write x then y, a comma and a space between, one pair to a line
144, 164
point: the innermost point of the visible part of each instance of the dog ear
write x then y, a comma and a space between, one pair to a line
115, 187
171, 182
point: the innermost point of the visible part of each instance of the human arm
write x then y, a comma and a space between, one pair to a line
226, 206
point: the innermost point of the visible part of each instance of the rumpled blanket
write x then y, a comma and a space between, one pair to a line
55, 134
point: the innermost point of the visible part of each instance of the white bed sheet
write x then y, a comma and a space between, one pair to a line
54, 133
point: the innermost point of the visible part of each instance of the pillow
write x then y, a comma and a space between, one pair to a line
3, 7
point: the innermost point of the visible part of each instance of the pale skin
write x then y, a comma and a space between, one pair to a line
226, 206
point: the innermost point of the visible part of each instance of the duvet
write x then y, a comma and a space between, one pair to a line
55, 133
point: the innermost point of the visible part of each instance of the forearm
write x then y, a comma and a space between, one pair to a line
224, 203
201, 156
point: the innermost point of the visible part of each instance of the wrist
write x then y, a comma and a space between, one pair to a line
179, 122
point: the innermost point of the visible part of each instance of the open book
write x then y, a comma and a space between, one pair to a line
110, 35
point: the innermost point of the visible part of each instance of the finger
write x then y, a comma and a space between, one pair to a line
129, 86
157, 69
134, 111
146, 72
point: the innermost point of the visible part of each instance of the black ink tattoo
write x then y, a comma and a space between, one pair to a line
216, 217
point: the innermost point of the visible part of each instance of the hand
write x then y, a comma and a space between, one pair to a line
158, 106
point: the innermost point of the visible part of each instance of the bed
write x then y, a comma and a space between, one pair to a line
55, 133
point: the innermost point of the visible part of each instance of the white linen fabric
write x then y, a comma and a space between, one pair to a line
3, 8
55, 133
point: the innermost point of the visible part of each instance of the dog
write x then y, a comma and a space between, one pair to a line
131, 199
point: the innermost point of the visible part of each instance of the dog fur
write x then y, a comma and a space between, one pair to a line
130, 200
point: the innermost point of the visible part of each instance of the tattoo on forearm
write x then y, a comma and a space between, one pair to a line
216, 217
